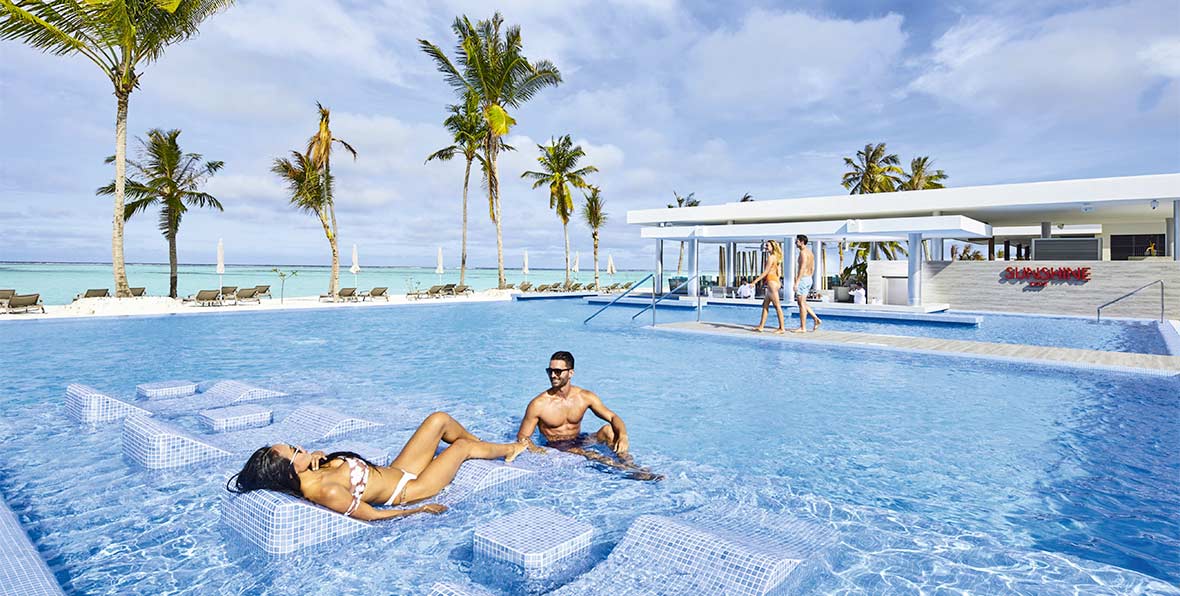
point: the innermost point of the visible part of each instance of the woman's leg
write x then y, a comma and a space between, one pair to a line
440, 472
778, 308
765, 311
419, 450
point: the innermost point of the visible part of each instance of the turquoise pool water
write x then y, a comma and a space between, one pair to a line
974, 475
58, 283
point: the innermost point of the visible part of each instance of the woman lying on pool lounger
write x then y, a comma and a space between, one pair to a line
348, 483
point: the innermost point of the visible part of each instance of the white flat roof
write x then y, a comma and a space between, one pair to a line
867, 230
1092, 200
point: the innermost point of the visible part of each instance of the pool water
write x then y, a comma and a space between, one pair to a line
970, 475
1120, 335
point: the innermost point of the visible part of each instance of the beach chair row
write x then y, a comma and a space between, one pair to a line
106, 293
13, 303
574, 287
229, 295
441, 291
351, 295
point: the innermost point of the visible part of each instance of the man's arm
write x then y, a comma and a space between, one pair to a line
528, 424
622, 444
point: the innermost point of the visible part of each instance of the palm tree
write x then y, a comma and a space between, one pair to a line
170, 179
920, 177
595, 217
118, 36
319, 153
687, 201
468, 129
490, 65
746, 198
304, 180
559, 165
873, 171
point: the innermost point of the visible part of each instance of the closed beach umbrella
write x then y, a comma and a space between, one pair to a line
610, 265
576, 258
524, 269
220, 263
439, 269
356, 265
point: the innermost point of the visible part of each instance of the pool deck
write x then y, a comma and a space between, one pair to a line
1140, 363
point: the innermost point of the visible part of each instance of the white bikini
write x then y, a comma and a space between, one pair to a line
401, 485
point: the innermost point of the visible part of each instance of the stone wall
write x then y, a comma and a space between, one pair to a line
967, 285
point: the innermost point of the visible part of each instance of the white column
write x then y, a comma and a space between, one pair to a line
790, 256
731, 256
1046, 229
694, 282
658, 283
816, 276
1175, 229
915, 270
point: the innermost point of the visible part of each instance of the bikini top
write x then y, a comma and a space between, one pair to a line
358, 476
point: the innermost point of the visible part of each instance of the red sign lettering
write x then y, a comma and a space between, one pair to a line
1039, 277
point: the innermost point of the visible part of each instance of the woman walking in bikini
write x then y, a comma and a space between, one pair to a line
773, 275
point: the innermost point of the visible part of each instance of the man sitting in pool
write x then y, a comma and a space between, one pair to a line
558, 413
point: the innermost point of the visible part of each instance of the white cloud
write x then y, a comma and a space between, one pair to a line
785, 61
1068, 67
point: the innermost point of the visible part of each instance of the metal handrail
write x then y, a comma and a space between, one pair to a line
661, 298
612, 302
1136, 291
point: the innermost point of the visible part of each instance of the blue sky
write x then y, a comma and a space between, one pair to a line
714, 98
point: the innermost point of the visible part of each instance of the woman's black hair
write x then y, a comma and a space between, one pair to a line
268, 470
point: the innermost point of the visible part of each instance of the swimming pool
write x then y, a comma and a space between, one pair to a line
1118, 335
975, 475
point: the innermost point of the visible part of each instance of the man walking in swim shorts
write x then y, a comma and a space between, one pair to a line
802, 285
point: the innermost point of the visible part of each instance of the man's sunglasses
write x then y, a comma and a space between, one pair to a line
556, 371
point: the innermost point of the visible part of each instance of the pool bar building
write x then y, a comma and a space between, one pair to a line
1059, 247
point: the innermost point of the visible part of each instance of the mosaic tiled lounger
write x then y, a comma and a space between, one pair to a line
279, 523
91, 406
156, 444
22, 570
723, 554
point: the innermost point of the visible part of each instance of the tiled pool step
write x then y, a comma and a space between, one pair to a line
717, 552
279, 523
1120, 361
220, 420
156, 444
90, 406
22, 570
534, 539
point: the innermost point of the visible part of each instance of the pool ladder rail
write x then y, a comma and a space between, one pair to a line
621, 296
1136, 291
656, 301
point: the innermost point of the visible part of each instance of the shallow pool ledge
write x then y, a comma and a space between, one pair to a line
1122, 361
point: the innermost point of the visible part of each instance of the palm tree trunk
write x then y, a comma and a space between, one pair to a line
171, 260
595, 235
680, 261
334, 283
335, 255
565, 229
463, 251
120, 269
494, 197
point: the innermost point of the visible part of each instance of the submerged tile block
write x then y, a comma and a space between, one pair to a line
535, 539
234, 392
89, 405
155, 444
22, 570
448, 589
221, 420
279, 523
720, 554
484, 477
165, 389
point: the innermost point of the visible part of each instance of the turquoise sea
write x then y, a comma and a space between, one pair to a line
58, 283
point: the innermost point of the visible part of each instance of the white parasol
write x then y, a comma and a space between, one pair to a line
524, 270
356, 265
610, 265
439, 269
220, 263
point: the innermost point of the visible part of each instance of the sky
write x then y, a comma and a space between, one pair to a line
719, 99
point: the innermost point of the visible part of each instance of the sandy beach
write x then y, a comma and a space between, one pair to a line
161, 305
